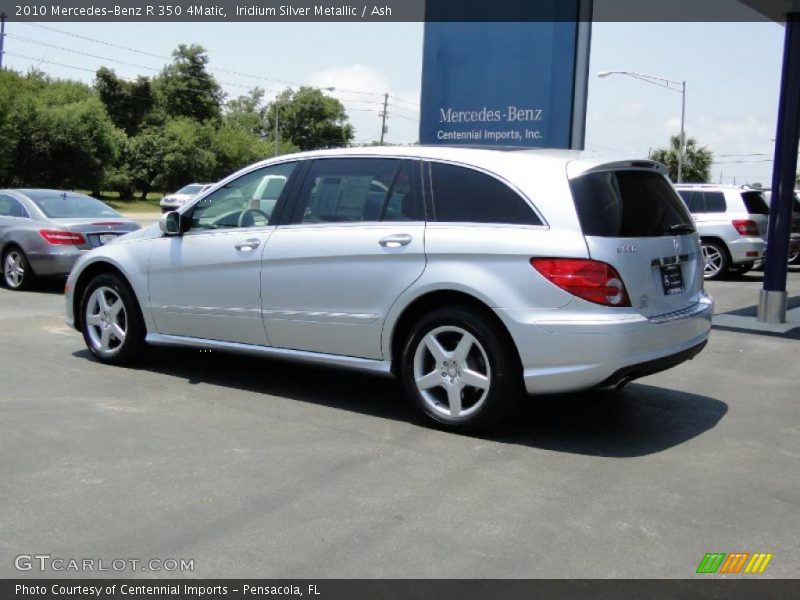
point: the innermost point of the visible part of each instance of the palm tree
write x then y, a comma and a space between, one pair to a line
696, 160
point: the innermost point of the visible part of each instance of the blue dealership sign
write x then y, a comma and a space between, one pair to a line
510, 83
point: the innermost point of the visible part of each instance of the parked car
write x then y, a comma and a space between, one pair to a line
43, 232
472, 275
732, 223
794, 242
183, 195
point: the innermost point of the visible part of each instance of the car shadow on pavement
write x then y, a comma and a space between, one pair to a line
637, 421
49, 285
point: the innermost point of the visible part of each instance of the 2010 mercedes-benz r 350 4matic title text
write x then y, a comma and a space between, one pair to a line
472, 275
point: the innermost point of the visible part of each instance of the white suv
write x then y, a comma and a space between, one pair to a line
732, 223
471, 275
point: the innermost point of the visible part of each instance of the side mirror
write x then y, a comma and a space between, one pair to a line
170, 223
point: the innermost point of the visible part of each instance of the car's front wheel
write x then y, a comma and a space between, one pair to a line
113, 328
715, 259
17, 272
460, 370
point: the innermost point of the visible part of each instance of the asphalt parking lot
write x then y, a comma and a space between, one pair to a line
263, 469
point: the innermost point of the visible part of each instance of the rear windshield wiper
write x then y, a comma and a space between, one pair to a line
680, 228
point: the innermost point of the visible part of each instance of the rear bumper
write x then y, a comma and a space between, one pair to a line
651, 367
568, 353
52, 264
742, 249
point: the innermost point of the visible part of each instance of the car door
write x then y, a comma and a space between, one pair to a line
354, 240
206, 283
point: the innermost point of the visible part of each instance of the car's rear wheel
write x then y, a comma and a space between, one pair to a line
715, 259
794, 258
460, 370
113, 328
17, 272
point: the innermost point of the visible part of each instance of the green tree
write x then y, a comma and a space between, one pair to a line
187, 154
67, 146
234, 147
310, 119
185, 88
145, 158
248, 112
127, 102
696, 160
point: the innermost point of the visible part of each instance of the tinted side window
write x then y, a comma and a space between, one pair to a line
715, 202
755, 203
347, 190
463, 195
694, 201
11, 207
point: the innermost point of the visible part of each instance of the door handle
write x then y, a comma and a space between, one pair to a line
248, 245
395, 240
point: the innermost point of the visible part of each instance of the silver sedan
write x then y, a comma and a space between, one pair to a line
43, 232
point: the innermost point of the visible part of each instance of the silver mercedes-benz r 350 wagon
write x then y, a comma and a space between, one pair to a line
472, 275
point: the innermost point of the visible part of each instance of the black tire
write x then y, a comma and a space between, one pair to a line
132, 347
492, 354
741, 268
794, 259
721, 260
26, 278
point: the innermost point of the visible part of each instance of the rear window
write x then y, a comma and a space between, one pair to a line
755, 203
66, 205
626, 204
462, 195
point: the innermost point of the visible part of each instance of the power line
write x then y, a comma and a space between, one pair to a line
403, 100
210, 67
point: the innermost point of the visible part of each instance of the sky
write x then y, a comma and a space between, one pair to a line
732, 72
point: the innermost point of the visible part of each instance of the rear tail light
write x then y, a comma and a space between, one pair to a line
62, 238
746, 227
590, 280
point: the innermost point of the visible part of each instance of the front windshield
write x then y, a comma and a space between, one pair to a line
68, 205
190, 190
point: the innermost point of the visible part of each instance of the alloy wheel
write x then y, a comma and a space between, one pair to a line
14, 269
452, 372
106, 321
714, 260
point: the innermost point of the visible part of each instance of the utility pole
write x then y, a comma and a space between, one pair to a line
384, 115
2, 36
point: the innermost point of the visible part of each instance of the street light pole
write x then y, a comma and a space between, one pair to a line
277, 129
675, 86
682, 149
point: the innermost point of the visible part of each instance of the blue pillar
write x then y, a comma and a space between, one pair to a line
772, 303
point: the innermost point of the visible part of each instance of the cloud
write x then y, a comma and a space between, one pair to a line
361, 89
355, 78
